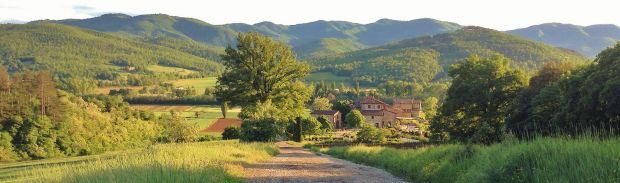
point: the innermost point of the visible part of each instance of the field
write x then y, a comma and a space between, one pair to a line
106, 90
206, 114
218, 161
540, 160
164, 69
328, 78
198, 83
221, 124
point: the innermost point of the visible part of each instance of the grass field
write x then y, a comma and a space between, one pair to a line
165, 69
218, 161
328, 78
208, 114
540, 160
199, 83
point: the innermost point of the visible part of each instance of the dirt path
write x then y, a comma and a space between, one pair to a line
294, 164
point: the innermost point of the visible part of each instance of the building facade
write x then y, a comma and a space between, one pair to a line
381, 114
332, 116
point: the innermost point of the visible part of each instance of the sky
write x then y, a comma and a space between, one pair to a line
496, 14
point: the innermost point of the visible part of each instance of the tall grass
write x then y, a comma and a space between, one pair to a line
220, 161
539, 160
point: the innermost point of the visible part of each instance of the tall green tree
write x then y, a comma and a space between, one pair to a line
354, 119
321, 103
480, 95
257, 70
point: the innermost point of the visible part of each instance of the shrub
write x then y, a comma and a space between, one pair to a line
354, 119
263, 130
231, 132
371, 134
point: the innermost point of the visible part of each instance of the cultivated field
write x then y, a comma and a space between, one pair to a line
218, 161
207, 115
328, 78
198, 83
165, 69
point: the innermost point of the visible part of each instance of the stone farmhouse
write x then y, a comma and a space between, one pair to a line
381, 114
332, 116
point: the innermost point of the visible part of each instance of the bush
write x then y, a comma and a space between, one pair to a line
231, 132
263, 130
371, 134
207, 138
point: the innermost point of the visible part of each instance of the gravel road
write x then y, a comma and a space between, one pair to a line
294, 164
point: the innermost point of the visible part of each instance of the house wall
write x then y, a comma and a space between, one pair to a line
374, 120
388, 118
372, 106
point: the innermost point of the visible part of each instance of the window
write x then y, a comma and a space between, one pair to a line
372, 117
378, 106
377, 125
369, 106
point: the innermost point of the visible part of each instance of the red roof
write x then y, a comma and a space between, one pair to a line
372, 100
406, 101
372, 112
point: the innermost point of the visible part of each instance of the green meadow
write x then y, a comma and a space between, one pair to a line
206, 114
540, 160
200, 84
217, 161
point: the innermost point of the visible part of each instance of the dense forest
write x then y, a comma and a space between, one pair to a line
449, 48
80, 56
308, 39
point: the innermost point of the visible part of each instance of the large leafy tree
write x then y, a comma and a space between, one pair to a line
477, 102
535, 105
257, 70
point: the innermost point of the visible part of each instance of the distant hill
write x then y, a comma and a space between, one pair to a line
328, 46
588, 40
305, 35
444, 50
71, 51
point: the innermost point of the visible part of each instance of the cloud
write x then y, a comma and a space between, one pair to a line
87, 10
7, 7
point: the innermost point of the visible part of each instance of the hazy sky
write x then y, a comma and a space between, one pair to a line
497, 14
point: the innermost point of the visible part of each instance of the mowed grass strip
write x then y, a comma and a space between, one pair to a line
540, 160
198, 83
218, 161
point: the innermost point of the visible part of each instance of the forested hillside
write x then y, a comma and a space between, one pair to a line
309, 37
441, 50
589, 40
73, 53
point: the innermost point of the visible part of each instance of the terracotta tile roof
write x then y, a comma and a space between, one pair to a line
406, 101
325, 112
394, 110
372, 112
372, 100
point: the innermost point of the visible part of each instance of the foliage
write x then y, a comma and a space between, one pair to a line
417, 59
257, 70
321, 103
578, 102
177, 130
480, 95
77, 54
261, 130
538, 160
354, 119
371, 134
326, 125
310, 126
39, 122
216, 161
224, 108
429, 106
344, 107
231, 132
